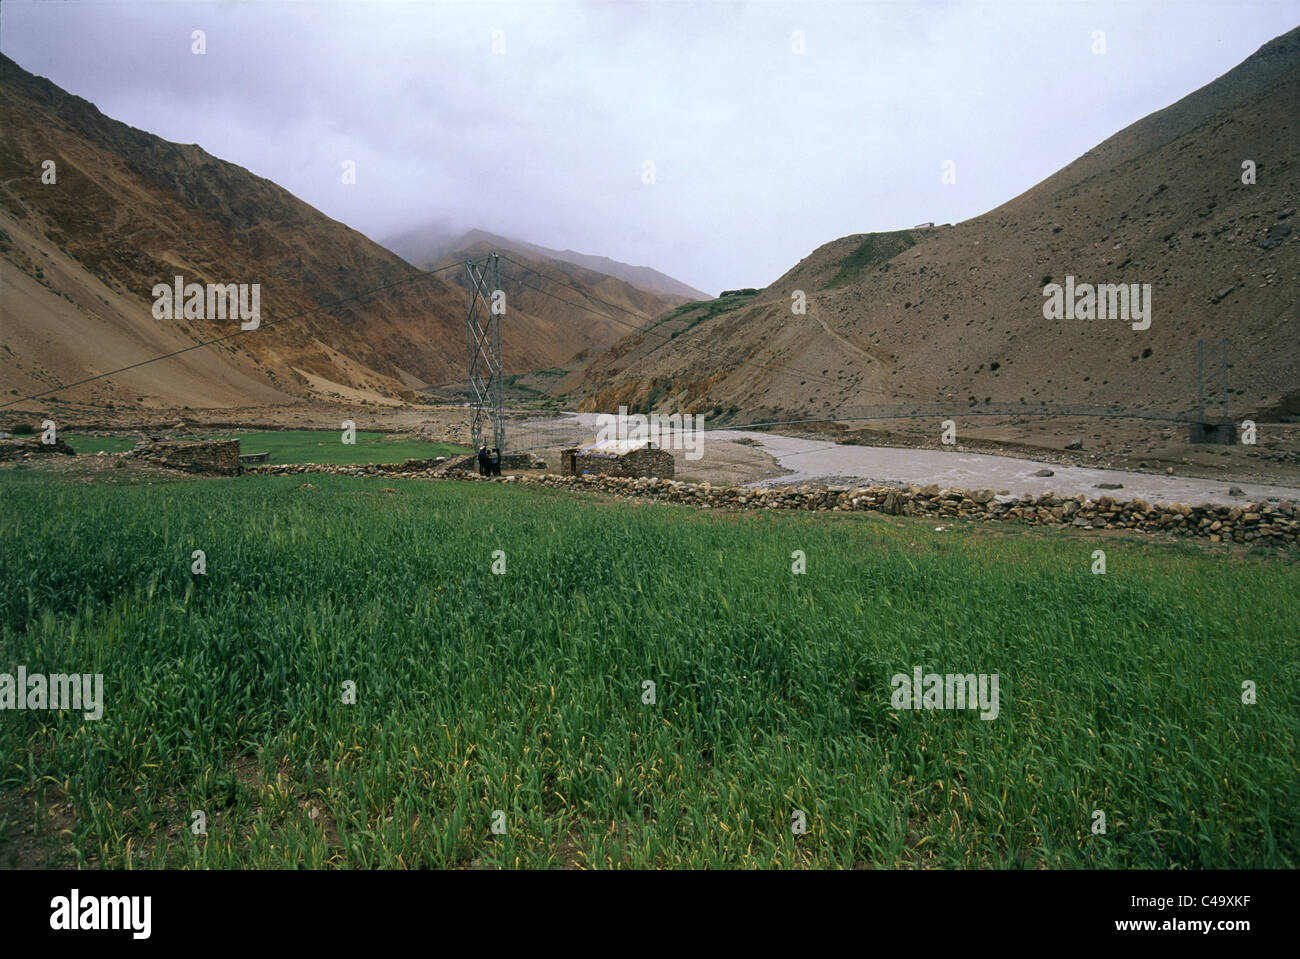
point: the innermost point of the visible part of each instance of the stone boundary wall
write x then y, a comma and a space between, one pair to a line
468, 462
13, 449
461, 461
1274, 524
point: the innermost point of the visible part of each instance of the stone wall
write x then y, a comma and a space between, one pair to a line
1268, 523
12, 449
411, 466
220, 457
463, 461
468, 462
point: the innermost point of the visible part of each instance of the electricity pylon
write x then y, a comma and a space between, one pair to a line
483, 324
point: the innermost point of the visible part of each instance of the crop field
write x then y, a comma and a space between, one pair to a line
297, 446
350, 684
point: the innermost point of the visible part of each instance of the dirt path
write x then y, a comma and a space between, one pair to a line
868, 355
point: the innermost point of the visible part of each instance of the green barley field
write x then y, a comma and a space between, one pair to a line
519, 700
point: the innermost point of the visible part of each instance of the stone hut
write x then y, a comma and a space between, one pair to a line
618, 458
220, 457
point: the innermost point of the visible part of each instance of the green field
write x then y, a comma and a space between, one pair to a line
296, 446
523, 692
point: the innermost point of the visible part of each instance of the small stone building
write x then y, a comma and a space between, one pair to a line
618, 458
220, 457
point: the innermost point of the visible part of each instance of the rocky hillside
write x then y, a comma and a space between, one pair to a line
79, 259
953, 316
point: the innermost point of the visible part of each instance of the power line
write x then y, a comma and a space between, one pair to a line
640, 330
635, 327
229, 336
898, 413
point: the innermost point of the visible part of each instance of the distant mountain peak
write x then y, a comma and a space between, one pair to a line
432, 244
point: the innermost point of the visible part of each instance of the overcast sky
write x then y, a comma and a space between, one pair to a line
760, 153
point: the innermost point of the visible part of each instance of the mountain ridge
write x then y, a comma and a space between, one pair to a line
79, 258
953, 315
433, 244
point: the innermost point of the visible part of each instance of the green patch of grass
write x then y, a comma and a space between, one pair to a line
90, 445
526, 692
697, 311
298, 446
312, 446
524, 396
875, 248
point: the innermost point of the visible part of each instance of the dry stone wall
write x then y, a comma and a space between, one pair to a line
1267, 523
12, 449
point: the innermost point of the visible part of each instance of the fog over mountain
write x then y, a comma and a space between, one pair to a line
771, 126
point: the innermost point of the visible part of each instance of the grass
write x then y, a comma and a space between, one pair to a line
523, 692
523, 396
697, 311
874, 248
297, 446
90, 445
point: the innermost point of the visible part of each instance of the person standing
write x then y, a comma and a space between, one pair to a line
494, 460
483, 463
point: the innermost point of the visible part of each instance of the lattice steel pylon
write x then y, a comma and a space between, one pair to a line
483, 313
1204, 429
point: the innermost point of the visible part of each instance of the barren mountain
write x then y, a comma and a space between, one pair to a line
954, 315
80, 257
598, 308
435, 243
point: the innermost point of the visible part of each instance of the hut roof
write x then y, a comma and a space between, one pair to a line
614, 448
